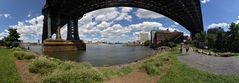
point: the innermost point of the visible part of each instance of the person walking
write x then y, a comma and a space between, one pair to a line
181, 48
187, 48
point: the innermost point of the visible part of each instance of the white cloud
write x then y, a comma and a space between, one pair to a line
216, 25
143, 13
176, 23
106, 14
6, 15
103, 25
3, 34
124, 15
146, 26
30, 30
126, 9
237, 21
29, 14
205, 1
185, 34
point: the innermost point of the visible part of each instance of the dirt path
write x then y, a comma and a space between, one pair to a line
137, 76
26, 76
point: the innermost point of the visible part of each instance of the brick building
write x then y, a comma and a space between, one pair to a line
160, 36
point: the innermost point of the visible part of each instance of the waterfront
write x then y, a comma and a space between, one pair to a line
102, 55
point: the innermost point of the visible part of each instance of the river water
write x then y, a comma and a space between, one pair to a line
102, 55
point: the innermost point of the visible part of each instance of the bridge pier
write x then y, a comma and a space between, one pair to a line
72, 43
58, 32
76, 33
49, 25
69, 30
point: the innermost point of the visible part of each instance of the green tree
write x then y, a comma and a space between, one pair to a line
147, 43
220, 42
12, 39
200, 38
233, 35
212, 36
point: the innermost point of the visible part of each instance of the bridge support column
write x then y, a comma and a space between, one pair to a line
73, 42
58, 32
76, 33
48, 25
69, 30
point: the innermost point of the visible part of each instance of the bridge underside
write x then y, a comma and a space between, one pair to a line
58, 13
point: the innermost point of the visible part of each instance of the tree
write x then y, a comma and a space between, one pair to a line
12, 39
147, 43
212, 36
220, 42
200, 38
233, 35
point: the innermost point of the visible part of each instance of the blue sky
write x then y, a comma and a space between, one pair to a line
111, 24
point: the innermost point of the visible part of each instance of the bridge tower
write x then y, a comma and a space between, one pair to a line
52, 25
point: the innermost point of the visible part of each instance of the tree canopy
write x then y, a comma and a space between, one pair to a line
220, 40
12, 39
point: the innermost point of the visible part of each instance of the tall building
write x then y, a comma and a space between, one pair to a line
144, 36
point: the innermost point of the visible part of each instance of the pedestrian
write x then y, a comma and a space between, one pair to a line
181, 47
187, 48
28, 48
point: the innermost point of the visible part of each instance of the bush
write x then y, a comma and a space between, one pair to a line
147, 43
69, 65
73, 75
151, 69
154, 66
109, 73
17, 49
124, 70
42, 65
21, 55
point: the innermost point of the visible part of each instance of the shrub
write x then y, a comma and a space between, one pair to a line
124, 70
17, 49
42, 65
154, 66
20, 55
108, 73
151, 69
73, 75
69, 65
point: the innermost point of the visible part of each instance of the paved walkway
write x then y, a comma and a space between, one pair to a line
219, 65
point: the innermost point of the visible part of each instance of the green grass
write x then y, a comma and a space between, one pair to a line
182, 73
153, 66
21, 55
8, 72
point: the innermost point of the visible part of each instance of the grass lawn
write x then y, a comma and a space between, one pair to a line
8, 72
182, 73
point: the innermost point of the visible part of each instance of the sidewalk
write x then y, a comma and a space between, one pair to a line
219, 65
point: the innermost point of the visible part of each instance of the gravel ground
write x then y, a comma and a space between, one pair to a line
218, 65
